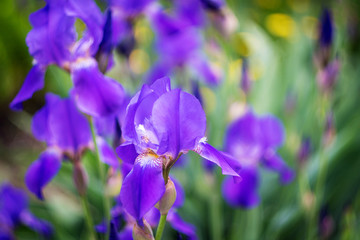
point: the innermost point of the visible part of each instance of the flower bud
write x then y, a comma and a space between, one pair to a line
143, 232
168, 199
80, 178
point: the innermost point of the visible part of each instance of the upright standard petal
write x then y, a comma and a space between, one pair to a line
94, 93
272, 131
143, 186
228, 164
42, 171
90, 14
34, 81
52, 35
179, 121
242, 194
243, 140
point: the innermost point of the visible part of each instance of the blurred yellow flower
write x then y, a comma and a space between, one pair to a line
280, 25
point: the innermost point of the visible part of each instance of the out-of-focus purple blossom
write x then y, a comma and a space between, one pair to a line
53, 41
179, 45
245, 77
67, 134
14, 210
253, 140
160, 125
304, 150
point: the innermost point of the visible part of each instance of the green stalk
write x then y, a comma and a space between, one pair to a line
319, 186
88, 218
161, 227
102, 178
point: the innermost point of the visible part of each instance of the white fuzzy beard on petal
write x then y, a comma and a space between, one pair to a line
149, 159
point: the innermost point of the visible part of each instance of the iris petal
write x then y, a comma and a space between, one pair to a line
42, 171
143, 186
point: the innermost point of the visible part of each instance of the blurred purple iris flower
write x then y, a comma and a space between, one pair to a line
67, 134
179, 44
14, 210
254, 140
53, 40
160, 125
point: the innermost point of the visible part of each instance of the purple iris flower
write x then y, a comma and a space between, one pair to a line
14, 210
254, 140
53, 41
179, 45
67, 134
160, 125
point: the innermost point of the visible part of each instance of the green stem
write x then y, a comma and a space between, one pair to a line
320, 182
88, 218
102, 178
161, 227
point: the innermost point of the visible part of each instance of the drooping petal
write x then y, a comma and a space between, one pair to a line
42, 171
276, 163
34, 81
40, 121
38, 225
52, 35
179, 121
69, 129
108, 155
12, 202
127, 152
94, 93
243, 194
272, 131
143, 186
180, 225
228, 164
